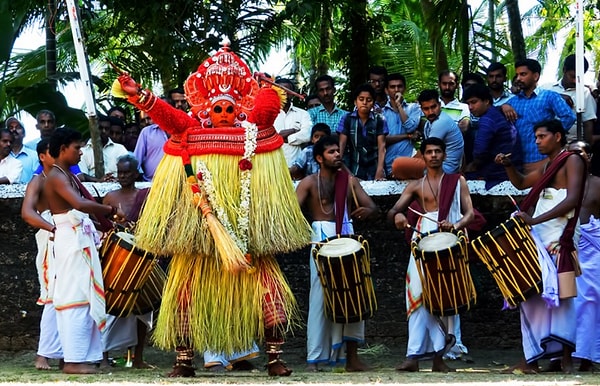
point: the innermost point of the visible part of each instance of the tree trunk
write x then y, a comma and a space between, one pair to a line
51, 43
492, 22
322, 66
358, 65
517, 40
464, 39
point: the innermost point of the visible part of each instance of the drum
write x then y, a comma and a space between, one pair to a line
344, 268
151, 292
443, 265
125, 270
510, 254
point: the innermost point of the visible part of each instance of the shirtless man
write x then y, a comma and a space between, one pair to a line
79, 290
556, 194
427, 335
588, 299
316, 193
36, 213
129, 199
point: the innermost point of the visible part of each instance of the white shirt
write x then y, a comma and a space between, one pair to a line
589, 104
295, 118
11, 168
111, 153
456, 109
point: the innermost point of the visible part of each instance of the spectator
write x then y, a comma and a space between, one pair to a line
377, 79
306, 164
10, 167
46, 124
496, 79
28, 157
328, 112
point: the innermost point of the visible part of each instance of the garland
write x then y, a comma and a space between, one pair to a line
239, 235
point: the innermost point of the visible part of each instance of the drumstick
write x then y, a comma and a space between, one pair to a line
423, 215
514, 202
415, 229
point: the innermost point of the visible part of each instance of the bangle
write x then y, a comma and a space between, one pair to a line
53, 230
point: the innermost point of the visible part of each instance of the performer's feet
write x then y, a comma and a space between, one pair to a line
80, 368
567, 364
523, 367
243, 365
356, 365
410, 365
278, 368
183, 370
439, 366
41, 363
586, 365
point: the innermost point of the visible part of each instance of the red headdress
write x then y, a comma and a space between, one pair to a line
222, 76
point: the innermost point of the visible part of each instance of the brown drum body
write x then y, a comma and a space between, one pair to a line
125, 270
443, 265
510, 254
343, 264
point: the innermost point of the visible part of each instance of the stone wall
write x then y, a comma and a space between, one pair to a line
485, 325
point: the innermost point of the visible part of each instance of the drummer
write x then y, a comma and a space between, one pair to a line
556, 194
123, 333
317, 194
446, 201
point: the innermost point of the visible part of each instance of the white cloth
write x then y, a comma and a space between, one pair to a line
11, 168
325, 339
110, 152
589, 105
425, 336
121, 333
214, 359
49, 344
44, 262
295, 118
587, 302
78, 271
79, 335
545, 330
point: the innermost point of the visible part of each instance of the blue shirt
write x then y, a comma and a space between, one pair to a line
541, 106
447, 130
30, 161
495, 135
319, 114
403, 148
306, 161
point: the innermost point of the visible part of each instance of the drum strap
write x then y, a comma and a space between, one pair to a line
341, 194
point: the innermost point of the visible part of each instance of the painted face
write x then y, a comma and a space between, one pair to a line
364, 102
477, 106
431, 109
222, 113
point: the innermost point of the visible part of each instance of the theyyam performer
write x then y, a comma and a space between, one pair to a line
221, 204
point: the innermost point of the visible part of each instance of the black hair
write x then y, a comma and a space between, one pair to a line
446, 73
62, 136
554, 126
177, 90
320, 127
495, 66
473, 76
286, 81
325, 78
120, 109
395, 76
432, 141
427, 95
569, 63
362, 88
531, 64
378, 70
133, 162
114, 121
477, 91
322, 144
42, 146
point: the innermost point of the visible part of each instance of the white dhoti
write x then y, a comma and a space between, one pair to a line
426, 334
122, 333
78, 291
325, 339
587, 302
49, 342
545, 331
214, 359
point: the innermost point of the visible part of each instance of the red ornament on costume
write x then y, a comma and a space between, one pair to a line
245, 164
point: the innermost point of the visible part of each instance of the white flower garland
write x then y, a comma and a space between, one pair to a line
239, 235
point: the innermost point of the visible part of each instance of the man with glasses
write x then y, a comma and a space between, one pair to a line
377, 79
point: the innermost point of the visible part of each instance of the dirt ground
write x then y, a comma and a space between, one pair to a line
483, 369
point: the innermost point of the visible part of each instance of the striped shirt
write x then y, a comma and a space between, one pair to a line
319, 114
